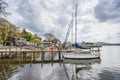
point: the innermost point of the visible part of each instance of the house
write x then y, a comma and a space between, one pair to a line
20, 41
10, 41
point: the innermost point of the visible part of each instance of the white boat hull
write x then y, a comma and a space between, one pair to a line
81, 56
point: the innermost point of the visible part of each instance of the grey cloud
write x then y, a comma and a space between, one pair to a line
32, 23
62, 21
109, 37
107, 10
86, 21
118, 35
26, 11
86, 30
42, 16
57, 14
113, 36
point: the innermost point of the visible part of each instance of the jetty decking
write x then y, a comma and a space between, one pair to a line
22, 53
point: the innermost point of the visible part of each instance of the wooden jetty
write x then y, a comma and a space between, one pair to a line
24, 53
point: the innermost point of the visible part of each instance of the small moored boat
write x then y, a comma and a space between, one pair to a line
81, 55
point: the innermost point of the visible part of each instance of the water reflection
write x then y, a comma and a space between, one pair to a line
76, 66
40, 72
106, 68
6, 71
67, 70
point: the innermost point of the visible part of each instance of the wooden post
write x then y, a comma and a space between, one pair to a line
25, 55
59, 54
31, 55
0, 55
52, 55
16, 55
10, 53
43, 54
34, 56
20, 53
5, 56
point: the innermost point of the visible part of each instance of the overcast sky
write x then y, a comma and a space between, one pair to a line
98, 20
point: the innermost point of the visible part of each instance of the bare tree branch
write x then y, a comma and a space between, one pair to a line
3, 6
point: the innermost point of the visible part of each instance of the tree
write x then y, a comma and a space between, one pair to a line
35, 36
29, 36
0, 39
14, 31
7, 30
3, 6
17, 34
24, 33
49, 36
54, 41
37, 40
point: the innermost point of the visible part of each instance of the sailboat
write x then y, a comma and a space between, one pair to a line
80, 52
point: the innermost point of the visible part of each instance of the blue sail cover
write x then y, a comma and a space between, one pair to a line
78, 46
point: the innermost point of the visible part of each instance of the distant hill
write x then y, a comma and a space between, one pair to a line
102, 43
105, 43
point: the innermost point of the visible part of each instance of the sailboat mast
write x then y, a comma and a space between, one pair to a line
72, 30
76, 25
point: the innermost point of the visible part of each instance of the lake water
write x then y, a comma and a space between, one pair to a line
106, 68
